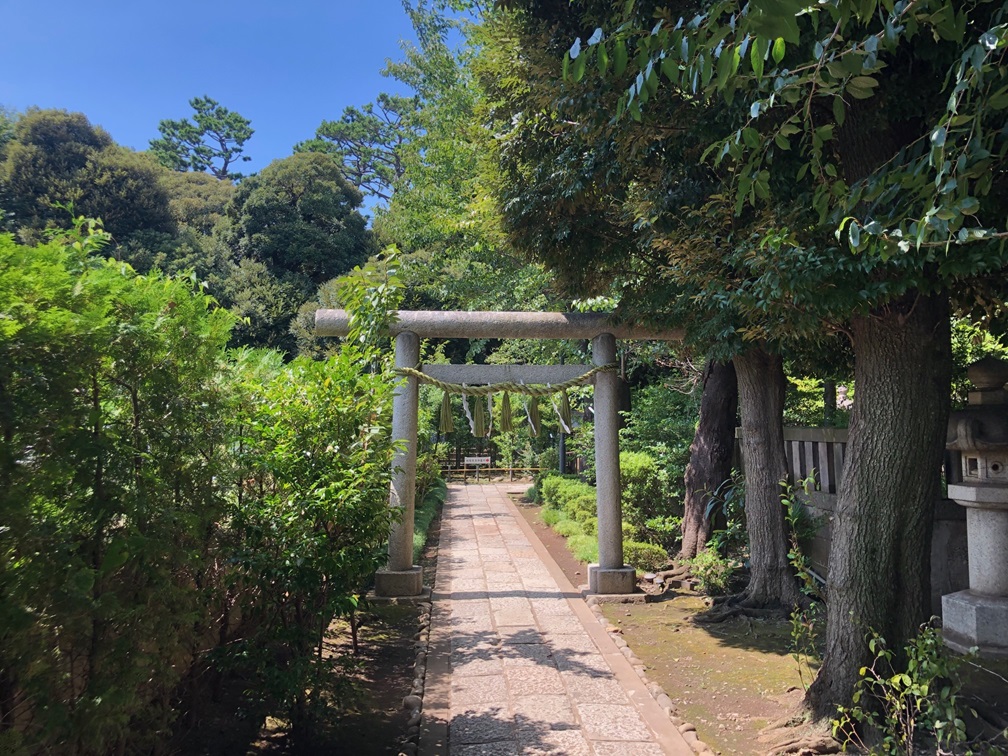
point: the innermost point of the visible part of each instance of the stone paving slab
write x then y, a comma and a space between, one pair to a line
518, 664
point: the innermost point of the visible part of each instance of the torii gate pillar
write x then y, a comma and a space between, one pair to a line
610, 575
400, 577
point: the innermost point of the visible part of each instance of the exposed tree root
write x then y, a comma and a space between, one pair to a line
677, 572
741, 605
798, 735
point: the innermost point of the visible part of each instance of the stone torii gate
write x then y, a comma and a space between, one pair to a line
401, 577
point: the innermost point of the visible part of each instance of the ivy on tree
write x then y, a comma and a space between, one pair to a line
211, 142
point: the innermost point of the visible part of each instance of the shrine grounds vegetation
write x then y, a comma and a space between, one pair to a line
174, 515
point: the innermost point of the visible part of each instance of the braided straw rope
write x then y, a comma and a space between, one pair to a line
535, 389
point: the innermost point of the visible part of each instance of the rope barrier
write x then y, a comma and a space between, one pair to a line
527, 389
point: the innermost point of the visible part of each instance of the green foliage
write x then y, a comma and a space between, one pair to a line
57, 158
551, 516
140, 459
299, 217
903, 706
568, 528
712, 572
803, 405
369, 142
292, 227
196, 201
114, 406
215, 134
645, 496
644, 556
808, 617
661, 423
584, 548
802, 524
8, 119
430, 503
970, 342
317, 440
728, 502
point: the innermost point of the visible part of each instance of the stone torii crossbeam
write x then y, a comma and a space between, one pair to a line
400, 577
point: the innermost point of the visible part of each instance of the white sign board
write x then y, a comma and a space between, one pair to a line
477, 461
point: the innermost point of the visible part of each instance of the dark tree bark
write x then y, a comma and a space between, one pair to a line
761, 385
879, 572
710, 453
829, 402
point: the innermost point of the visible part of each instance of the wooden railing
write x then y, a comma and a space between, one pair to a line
819, 450
823, 452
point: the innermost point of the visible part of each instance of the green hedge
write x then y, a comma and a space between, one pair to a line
423, 516
644, 556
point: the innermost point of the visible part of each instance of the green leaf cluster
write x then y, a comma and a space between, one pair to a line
212, 141
167, 505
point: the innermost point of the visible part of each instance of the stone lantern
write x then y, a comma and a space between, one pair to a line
978, 617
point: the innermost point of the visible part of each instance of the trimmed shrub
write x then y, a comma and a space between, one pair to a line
583, 547
645, 487
582, 504
644, 556
568, 528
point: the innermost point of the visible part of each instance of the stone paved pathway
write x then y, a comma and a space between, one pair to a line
518, 663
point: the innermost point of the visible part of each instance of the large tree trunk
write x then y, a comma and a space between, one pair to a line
879, 572
761, 385
710, 453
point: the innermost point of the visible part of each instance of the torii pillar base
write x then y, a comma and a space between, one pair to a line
399, 583
605, 581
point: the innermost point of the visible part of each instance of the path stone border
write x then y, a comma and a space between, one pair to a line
413, 703
658, 693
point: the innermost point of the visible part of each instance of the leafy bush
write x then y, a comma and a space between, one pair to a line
644, 556
114, 412
567, 493
584, 548
900, 706
662, 423
313, 528
142, 460
568, 528
728, 503
645, 498
582, 504
551, 516
712, 572
425, 513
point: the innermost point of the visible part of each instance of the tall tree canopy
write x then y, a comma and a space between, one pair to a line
824, 197
291, 227
369, 142
58, 158
212, 141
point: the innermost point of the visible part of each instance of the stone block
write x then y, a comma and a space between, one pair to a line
620, 580
399, 582
970, 619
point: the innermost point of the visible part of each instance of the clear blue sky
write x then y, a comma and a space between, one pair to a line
127, 65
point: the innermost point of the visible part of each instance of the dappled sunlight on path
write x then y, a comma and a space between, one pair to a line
518, 664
